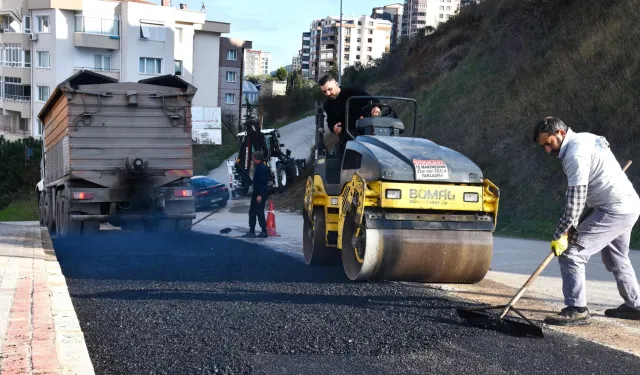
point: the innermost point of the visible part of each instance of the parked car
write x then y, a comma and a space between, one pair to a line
209, 191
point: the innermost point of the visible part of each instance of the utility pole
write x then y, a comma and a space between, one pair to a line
340, 48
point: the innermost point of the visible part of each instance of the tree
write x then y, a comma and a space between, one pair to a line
333, 71
251, 112
253, 79
281, 74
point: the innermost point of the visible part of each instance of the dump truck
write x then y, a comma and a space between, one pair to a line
397, 207
117, 153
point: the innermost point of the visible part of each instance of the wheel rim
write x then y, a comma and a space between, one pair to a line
359, 243
283, 178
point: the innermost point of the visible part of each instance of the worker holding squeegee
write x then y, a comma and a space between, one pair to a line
595, 180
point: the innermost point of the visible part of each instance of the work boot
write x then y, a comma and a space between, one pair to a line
623, 312
250, 234
569, 316
263, 235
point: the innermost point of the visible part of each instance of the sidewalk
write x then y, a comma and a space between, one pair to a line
39, 330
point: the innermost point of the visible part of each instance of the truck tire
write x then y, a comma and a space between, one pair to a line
281, 175
74, 228
50, 221
162, 225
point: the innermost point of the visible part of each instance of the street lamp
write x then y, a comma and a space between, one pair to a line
340, 48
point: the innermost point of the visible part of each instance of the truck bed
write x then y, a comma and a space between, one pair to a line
90, 133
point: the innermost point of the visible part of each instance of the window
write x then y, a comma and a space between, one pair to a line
43, 93
370, 32
150, 65
357, 57
230, 98
442, 8
370, 40
369, 49
442, 16
448, 8
359, 40
40, 127
13, 55
179, 34
178, 67
150, 31
43, 59
42, 23
231, 76
26, 24
232, 54
102, 62
27, 59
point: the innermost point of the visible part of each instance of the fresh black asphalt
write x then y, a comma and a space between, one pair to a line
203, 304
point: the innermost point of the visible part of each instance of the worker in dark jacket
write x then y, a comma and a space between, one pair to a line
261, 177
335, 108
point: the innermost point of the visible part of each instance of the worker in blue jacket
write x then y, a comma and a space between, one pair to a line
261, 176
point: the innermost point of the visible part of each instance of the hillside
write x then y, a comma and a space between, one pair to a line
486, 76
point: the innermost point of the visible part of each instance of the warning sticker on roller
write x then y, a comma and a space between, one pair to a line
431, 170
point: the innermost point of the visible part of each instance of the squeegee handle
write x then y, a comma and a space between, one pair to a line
537, 272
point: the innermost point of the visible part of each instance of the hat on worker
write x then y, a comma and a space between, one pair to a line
258, 155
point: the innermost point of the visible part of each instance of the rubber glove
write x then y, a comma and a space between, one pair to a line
560, 245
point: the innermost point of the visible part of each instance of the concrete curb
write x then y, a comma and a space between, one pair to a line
73, 354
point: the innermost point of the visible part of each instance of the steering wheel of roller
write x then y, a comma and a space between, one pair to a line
385, 109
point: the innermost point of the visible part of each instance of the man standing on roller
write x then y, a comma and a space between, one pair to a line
596, 180
335, 108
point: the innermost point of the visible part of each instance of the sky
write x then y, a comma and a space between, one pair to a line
276, 26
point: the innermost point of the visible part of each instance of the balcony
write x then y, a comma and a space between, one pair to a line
24, 73
113, 73
94, 32
16, 38
21, 104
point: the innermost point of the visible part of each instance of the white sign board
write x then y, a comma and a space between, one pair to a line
431, 170
206, 125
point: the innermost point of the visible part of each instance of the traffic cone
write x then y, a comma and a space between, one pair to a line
271, 220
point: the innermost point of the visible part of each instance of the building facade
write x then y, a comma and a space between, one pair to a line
305, 53
296, 62
392, 13
418, 14
257, 62
45, 42
364, 39
230, 79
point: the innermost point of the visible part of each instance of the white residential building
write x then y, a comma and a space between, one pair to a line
256, 62
418, 14
364, 39
44, 42
296, 62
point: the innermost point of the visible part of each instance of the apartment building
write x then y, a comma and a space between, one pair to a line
44, 42
305, 53
364, 39
419, 14
296, 62
392, 13
257, 62
232, 54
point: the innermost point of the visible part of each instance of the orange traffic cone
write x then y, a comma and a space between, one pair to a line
271, 220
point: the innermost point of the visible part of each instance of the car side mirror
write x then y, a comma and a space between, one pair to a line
281, 144
288, 152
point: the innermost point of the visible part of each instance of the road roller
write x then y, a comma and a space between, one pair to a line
397, 207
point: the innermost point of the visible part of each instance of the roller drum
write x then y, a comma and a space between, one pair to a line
435, 256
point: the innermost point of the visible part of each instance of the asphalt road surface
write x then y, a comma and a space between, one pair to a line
201, 303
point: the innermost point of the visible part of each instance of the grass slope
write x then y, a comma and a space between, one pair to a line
483, 79
21, 209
